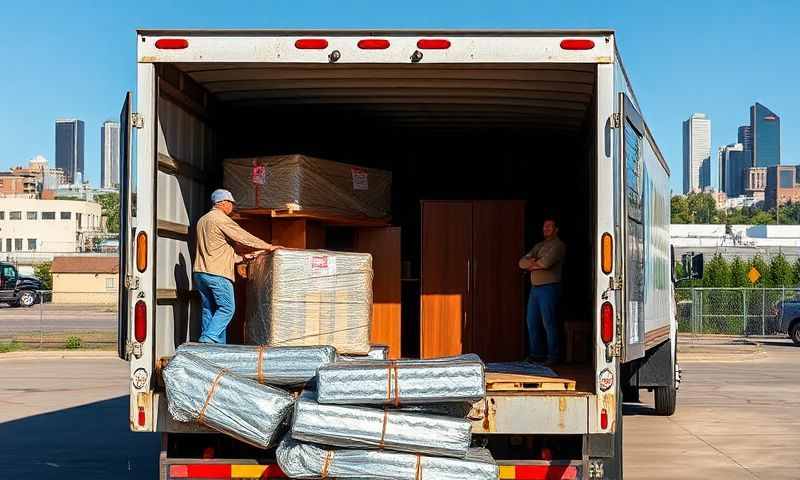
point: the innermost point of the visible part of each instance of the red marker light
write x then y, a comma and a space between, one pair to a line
575, 44
433, 44
141, 419
311, 44
373, 44
603, 419
140, 321
172, 43
606, 322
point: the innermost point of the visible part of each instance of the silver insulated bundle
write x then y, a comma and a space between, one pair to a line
362, 427
303, 460
402, 382
282, 366
310, 297
200, 392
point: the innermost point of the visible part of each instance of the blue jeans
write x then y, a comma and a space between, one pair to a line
542, 322
216, 298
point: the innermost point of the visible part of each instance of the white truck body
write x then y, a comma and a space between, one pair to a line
181, 82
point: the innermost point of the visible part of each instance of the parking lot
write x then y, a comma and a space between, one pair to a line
67, 418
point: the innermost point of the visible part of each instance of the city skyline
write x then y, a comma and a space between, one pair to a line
696, 153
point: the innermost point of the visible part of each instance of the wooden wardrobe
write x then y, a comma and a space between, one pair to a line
472, 288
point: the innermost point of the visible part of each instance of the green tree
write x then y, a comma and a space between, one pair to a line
790, 214
762, 268
702, 208
762, 218
780, 272
680, 209
739, 273
717, 272
42, 272
110, 205
796, 273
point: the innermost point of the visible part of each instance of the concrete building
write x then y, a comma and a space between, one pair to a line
32, 230
35, 180
69, 147
766, 128
734, 162
756, 182
85, 279
109, 149
696, 153
782, 186
744, 241
18, 185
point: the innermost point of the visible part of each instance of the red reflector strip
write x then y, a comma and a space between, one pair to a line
433, 44
225, 471
209, 471
172, 43
373, 44
538, 472
178, 471
577, 44
311, 44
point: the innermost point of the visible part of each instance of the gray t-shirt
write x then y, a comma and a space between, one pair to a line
549, 253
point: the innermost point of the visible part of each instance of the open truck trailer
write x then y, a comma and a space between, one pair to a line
486, 134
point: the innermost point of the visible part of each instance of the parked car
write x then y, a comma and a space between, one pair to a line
18, 290
788, 314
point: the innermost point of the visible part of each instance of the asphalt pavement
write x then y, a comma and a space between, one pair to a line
57, 318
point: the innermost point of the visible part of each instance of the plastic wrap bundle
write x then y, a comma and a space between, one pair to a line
305, 460
299, 182
449, 409
283, 366
402, 382
310, 297
198, 391
376, 352
363, 427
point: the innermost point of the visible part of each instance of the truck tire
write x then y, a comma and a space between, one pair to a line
26, 298
794, 333
666, 400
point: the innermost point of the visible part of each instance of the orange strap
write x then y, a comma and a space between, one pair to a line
260, 364
418, 475
326, 465
392, 367
214, 385
383, 429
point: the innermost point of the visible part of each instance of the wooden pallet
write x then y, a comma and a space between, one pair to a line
325, 218
512, 382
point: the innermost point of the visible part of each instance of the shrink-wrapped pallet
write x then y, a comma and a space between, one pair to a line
310, 297
303, 183
200, 392
306, 460
363, 427
282, 366
402, 382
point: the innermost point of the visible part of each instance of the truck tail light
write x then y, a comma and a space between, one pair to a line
311, 44
603, 419
172, 43
141, 252
607, 253
141, 417
577, 44
607, 322
433, 44
373, 44
140, 321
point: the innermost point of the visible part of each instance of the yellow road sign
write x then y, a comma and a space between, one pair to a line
753, 275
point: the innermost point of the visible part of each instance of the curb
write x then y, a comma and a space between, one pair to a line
58, 354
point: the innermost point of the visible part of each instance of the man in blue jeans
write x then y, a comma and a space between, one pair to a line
214, 264
544, 261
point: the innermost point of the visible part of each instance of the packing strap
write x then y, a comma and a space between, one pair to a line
326, 465
383, 429
392, 367
418, 474
201, 418
260, 363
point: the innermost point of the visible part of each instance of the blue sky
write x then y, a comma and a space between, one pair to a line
76, 59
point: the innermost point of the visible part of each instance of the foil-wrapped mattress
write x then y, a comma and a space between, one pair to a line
282, 366
306, 460
376, 352
402, 382
200, 392
364, 427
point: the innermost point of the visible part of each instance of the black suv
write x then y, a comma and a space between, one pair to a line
18, 290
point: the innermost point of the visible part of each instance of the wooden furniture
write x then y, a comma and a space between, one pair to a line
472, 288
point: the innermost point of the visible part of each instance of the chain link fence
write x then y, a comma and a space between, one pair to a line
732, 311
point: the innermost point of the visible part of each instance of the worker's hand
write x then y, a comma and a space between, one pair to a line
253, 255
273, 248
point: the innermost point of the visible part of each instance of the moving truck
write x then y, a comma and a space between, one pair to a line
547, 118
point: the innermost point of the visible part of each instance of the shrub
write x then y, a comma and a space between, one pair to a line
72, 343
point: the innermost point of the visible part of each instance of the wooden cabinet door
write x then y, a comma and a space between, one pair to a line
446, 300
496, 329
383, 243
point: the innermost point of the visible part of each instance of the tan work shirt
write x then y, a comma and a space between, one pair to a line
215, 234
550, 254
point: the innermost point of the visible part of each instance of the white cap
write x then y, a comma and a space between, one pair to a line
220, 195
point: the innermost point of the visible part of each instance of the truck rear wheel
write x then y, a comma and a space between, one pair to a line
794, 333
666, 400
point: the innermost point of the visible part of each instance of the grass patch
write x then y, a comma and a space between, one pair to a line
11, 346
61, 340
72, 343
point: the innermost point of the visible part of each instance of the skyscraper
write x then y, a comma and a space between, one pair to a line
734, 161
69, 147
696, 153
109, 155
746, 137
766, 128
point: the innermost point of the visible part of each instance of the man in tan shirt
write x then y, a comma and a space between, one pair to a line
544, 261
214, 264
